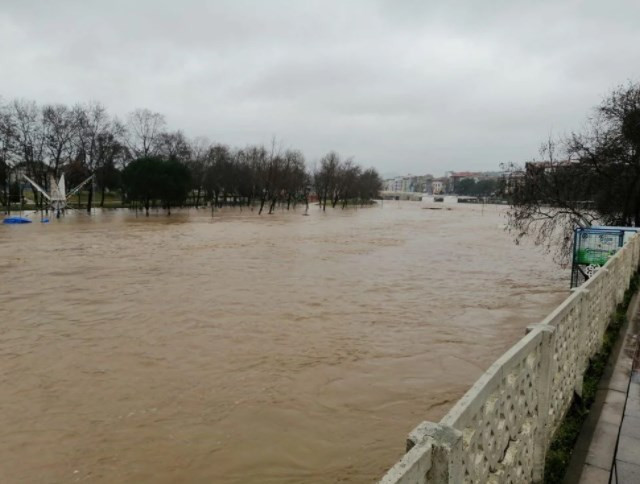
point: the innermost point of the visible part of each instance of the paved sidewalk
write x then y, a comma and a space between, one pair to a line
608, 448
626, 467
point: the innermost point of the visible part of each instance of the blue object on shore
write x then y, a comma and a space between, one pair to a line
44, 220
16, 220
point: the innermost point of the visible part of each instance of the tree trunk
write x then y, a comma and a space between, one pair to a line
104, 187
262, 202
90, 198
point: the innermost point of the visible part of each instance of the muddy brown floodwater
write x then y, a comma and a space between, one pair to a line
250, 349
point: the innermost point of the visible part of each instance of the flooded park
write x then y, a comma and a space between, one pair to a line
250, 349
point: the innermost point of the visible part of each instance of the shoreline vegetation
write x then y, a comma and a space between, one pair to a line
157, 206
117, 203
150, 166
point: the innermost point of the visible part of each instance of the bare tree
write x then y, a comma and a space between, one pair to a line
326, 176
111, 153
84, 140
596, 178
92, 133
144, 128
295, 178
549, 198
29, 142
7, 137
197, 164
173, 145
217, 173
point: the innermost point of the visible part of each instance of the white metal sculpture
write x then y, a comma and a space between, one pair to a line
58, 196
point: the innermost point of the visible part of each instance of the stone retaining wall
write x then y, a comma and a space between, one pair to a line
499, 431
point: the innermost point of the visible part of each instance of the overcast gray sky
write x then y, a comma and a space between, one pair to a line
407, 86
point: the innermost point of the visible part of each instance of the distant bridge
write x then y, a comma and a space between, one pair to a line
413, 196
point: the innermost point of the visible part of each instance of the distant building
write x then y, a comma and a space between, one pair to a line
438, 185
397, 184
511, 180
430, 185
455, 177
409, 184
536, 167
422, 184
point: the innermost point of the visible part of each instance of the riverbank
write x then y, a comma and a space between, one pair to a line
119, 204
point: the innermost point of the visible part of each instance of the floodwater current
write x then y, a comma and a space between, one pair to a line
250, 349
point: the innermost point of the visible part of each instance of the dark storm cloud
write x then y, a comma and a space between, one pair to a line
407, 86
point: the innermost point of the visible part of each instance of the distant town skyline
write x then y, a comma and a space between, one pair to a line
435, 184
403, 86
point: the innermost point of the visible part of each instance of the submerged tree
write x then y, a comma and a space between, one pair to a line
175, 184
29, 143
60, 129
589, 177
92, 140
337, 180
7, 136
150, 179
42, 142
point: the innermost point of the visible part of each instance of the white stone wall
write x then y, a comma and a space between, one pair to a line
499, 431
